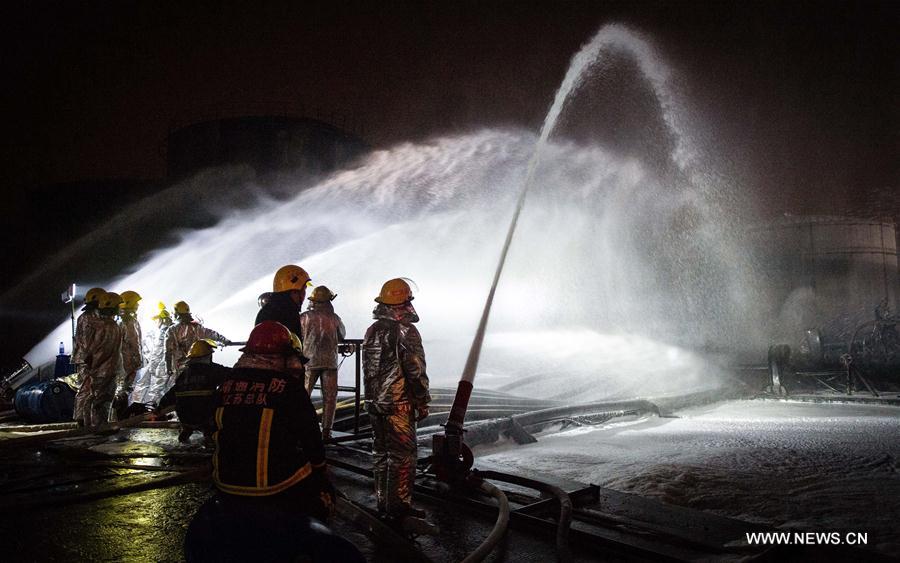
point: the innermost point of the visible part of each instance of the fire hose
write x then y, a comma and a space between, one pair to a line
565, 507
108, 427
500, 525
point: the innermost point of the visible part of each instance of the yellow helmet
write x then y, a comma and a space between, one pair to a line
182, 308
110, 300
201, 348
163, 314
93, 294
295, 343
130, 300
322, 294
290, 277
395, 292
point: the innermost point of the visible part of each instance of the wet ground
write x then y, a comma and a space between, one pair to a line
792, 465
129, 496
74, 500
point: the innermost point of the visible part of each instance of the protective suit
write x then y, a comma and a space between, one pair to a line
84, 330
396, 388
156, 363
322, 330
179, 339
132, 358
149, 345
102, 358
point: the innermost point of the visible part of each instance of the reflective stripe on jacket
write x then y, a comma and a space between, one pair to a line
194, 392
268, 436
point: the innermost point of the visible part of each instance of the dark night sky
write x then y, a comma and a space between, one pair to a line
802, 96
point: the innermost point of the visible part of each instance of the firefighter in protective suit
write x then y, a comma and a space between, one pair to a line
154, 350
132, 353
283, 304
194, 390
396, 388
157, 363
103, 364
322, 331
181, 336
269, 448
84, 330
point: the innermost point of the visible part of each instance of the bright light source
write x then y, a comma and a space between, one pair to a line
68, 295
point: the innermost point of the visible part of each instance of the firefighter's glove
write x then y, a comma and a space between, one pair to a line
421, 413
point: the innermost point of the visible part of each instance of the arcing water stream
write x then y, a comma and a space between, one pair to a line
579, 68
618, 279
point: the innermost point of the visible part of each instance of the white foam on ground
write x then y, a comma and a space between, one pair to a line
815, 467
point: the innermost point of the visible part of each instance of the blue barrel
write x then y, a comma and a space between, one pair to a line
63, 366
45, 401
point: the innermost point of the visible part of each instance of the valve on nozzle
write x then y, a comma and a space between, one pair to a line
451, 458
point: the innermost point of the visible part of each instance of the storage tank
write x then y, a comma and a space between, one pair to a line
827, 273
266, 143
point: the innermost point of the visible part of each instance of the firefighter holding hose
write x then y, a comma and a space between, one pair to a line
182, 335
396, 388
84, 330
193, 393
102, 360
322, 331
132, 353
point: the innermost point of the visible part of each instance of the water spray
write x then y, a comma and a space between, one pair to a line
451, 457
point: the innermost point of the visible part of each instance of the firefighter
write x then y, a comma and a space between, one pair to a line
154, 350
193, 392
269, 449
132, 354
84, 330
103, 363
181, 336
322, 331
283, 304
396, 388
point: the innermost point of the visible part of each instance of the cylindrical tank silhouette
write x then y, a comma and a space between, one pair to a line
828, 273
266, 143
46, 401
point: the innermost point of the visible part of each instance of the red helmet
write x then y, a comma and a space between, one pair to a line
269, 337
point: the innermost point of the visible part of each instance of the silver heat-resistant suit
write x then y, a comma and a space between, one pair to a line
99, 357
147, 388
84, 330
179, 338
132, 353
396, 385
322, 331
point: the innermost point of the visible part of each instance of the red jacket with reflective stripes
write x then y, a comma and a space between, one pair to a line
268, 437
